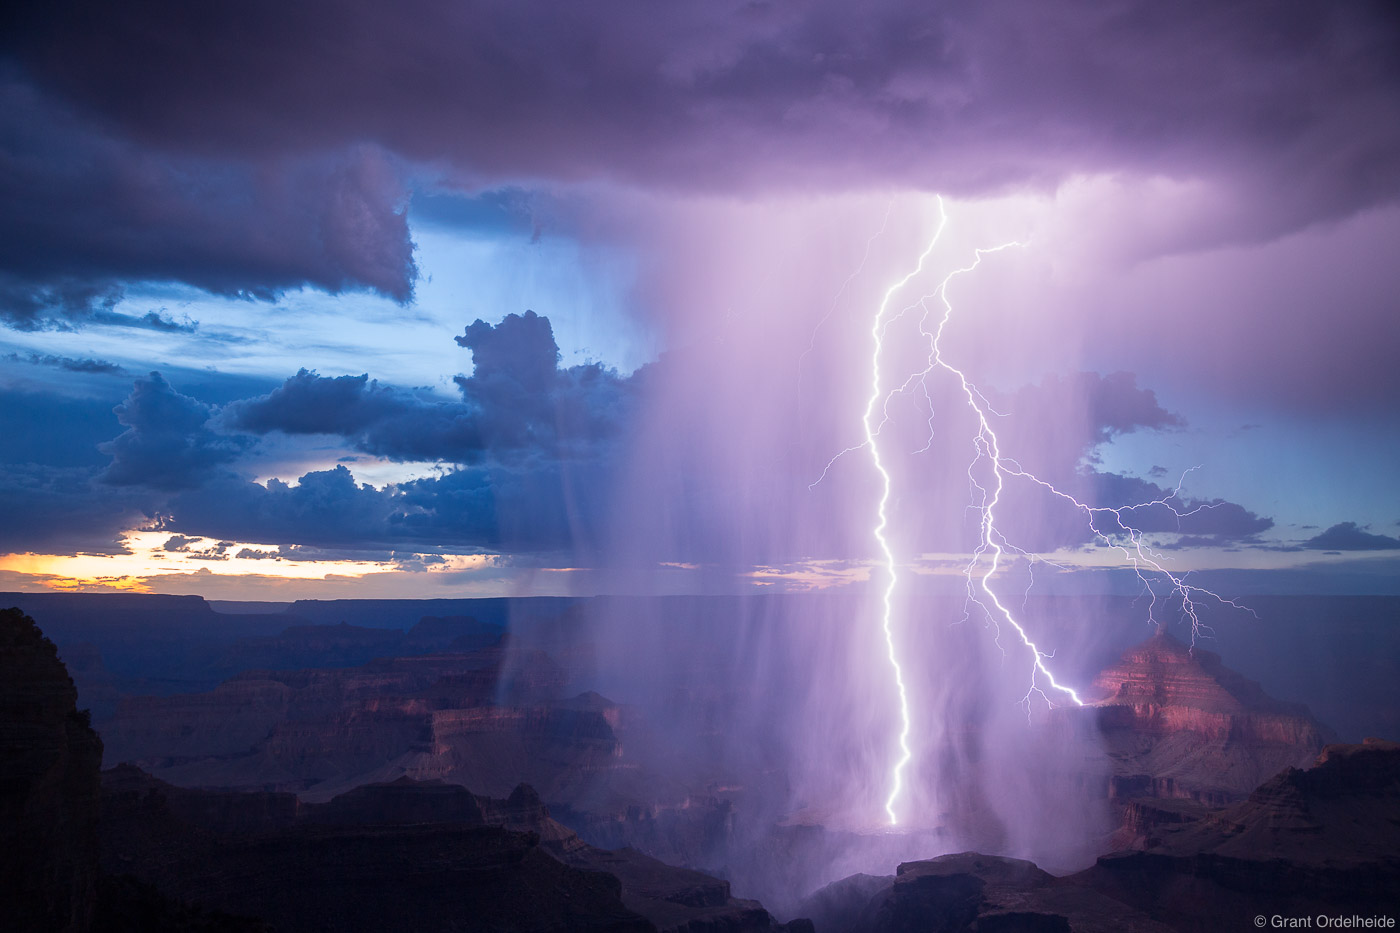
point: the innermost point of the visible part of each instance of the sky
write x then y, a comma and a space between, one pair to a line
431, 298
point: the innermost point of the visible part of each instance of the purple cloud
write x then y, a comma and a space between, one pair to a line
85, 210
1348, 536
964, 97
1061, 420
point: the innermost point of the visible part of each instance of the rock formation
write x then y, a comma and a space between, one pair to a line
1308, 841
1324, 840
972, 892
1176, 723
49, 760
322, 732
406, 855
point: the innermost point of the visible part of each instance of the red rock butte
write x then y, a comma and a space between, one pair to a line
1179, 723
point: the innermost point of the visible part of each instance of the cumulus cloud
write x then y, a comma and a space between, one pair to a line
179, 544
516, 403
541, 506
543, 462
167, 444
537, 447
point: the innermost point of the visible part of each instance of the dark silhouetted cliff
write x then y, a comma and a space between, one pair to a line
49, 761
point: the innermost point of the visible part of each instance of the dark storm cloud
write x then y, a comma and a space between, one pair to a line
151, 320
179, 544
300, 552
1063, 419
1294, 99
70, 364
83, 210
539, 506
324, 508
516, 402
28, 301
1216, 519
1348, 536
167, 444
54, 430
542, 442
60, 510
1054, 430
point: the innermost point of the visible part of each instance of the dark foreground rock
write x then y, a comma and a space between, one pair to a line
403, 856
133, 853
972, 893
49, 760
1324, 840
1320, 841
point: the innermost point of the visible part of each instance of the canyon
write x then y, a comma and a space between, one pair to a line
463, 758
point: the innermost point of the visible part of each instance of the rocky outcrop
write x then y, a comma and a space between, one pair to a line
973, 892
1144, 819
466, 862
1177, 723
365, 863
1323, 840
49, 761
685, 830
1320, 840
847, 904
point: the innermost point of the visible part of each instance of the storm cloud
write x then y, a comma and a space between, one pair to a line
167, 444
517, 402
86, 210
1348, 536
966, 97
541, 506
280, 156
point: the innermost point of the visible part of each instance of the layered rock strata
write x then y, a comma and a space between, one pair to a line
1325, 839
1177, 723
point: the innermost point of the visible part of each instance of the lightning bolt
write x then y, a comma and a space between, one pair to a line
1109, 526
872, 442
986, 447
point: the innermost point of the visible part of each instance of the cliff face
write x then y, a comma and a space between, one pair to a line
49, 762
1177, 723
1325, 839
321, 732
